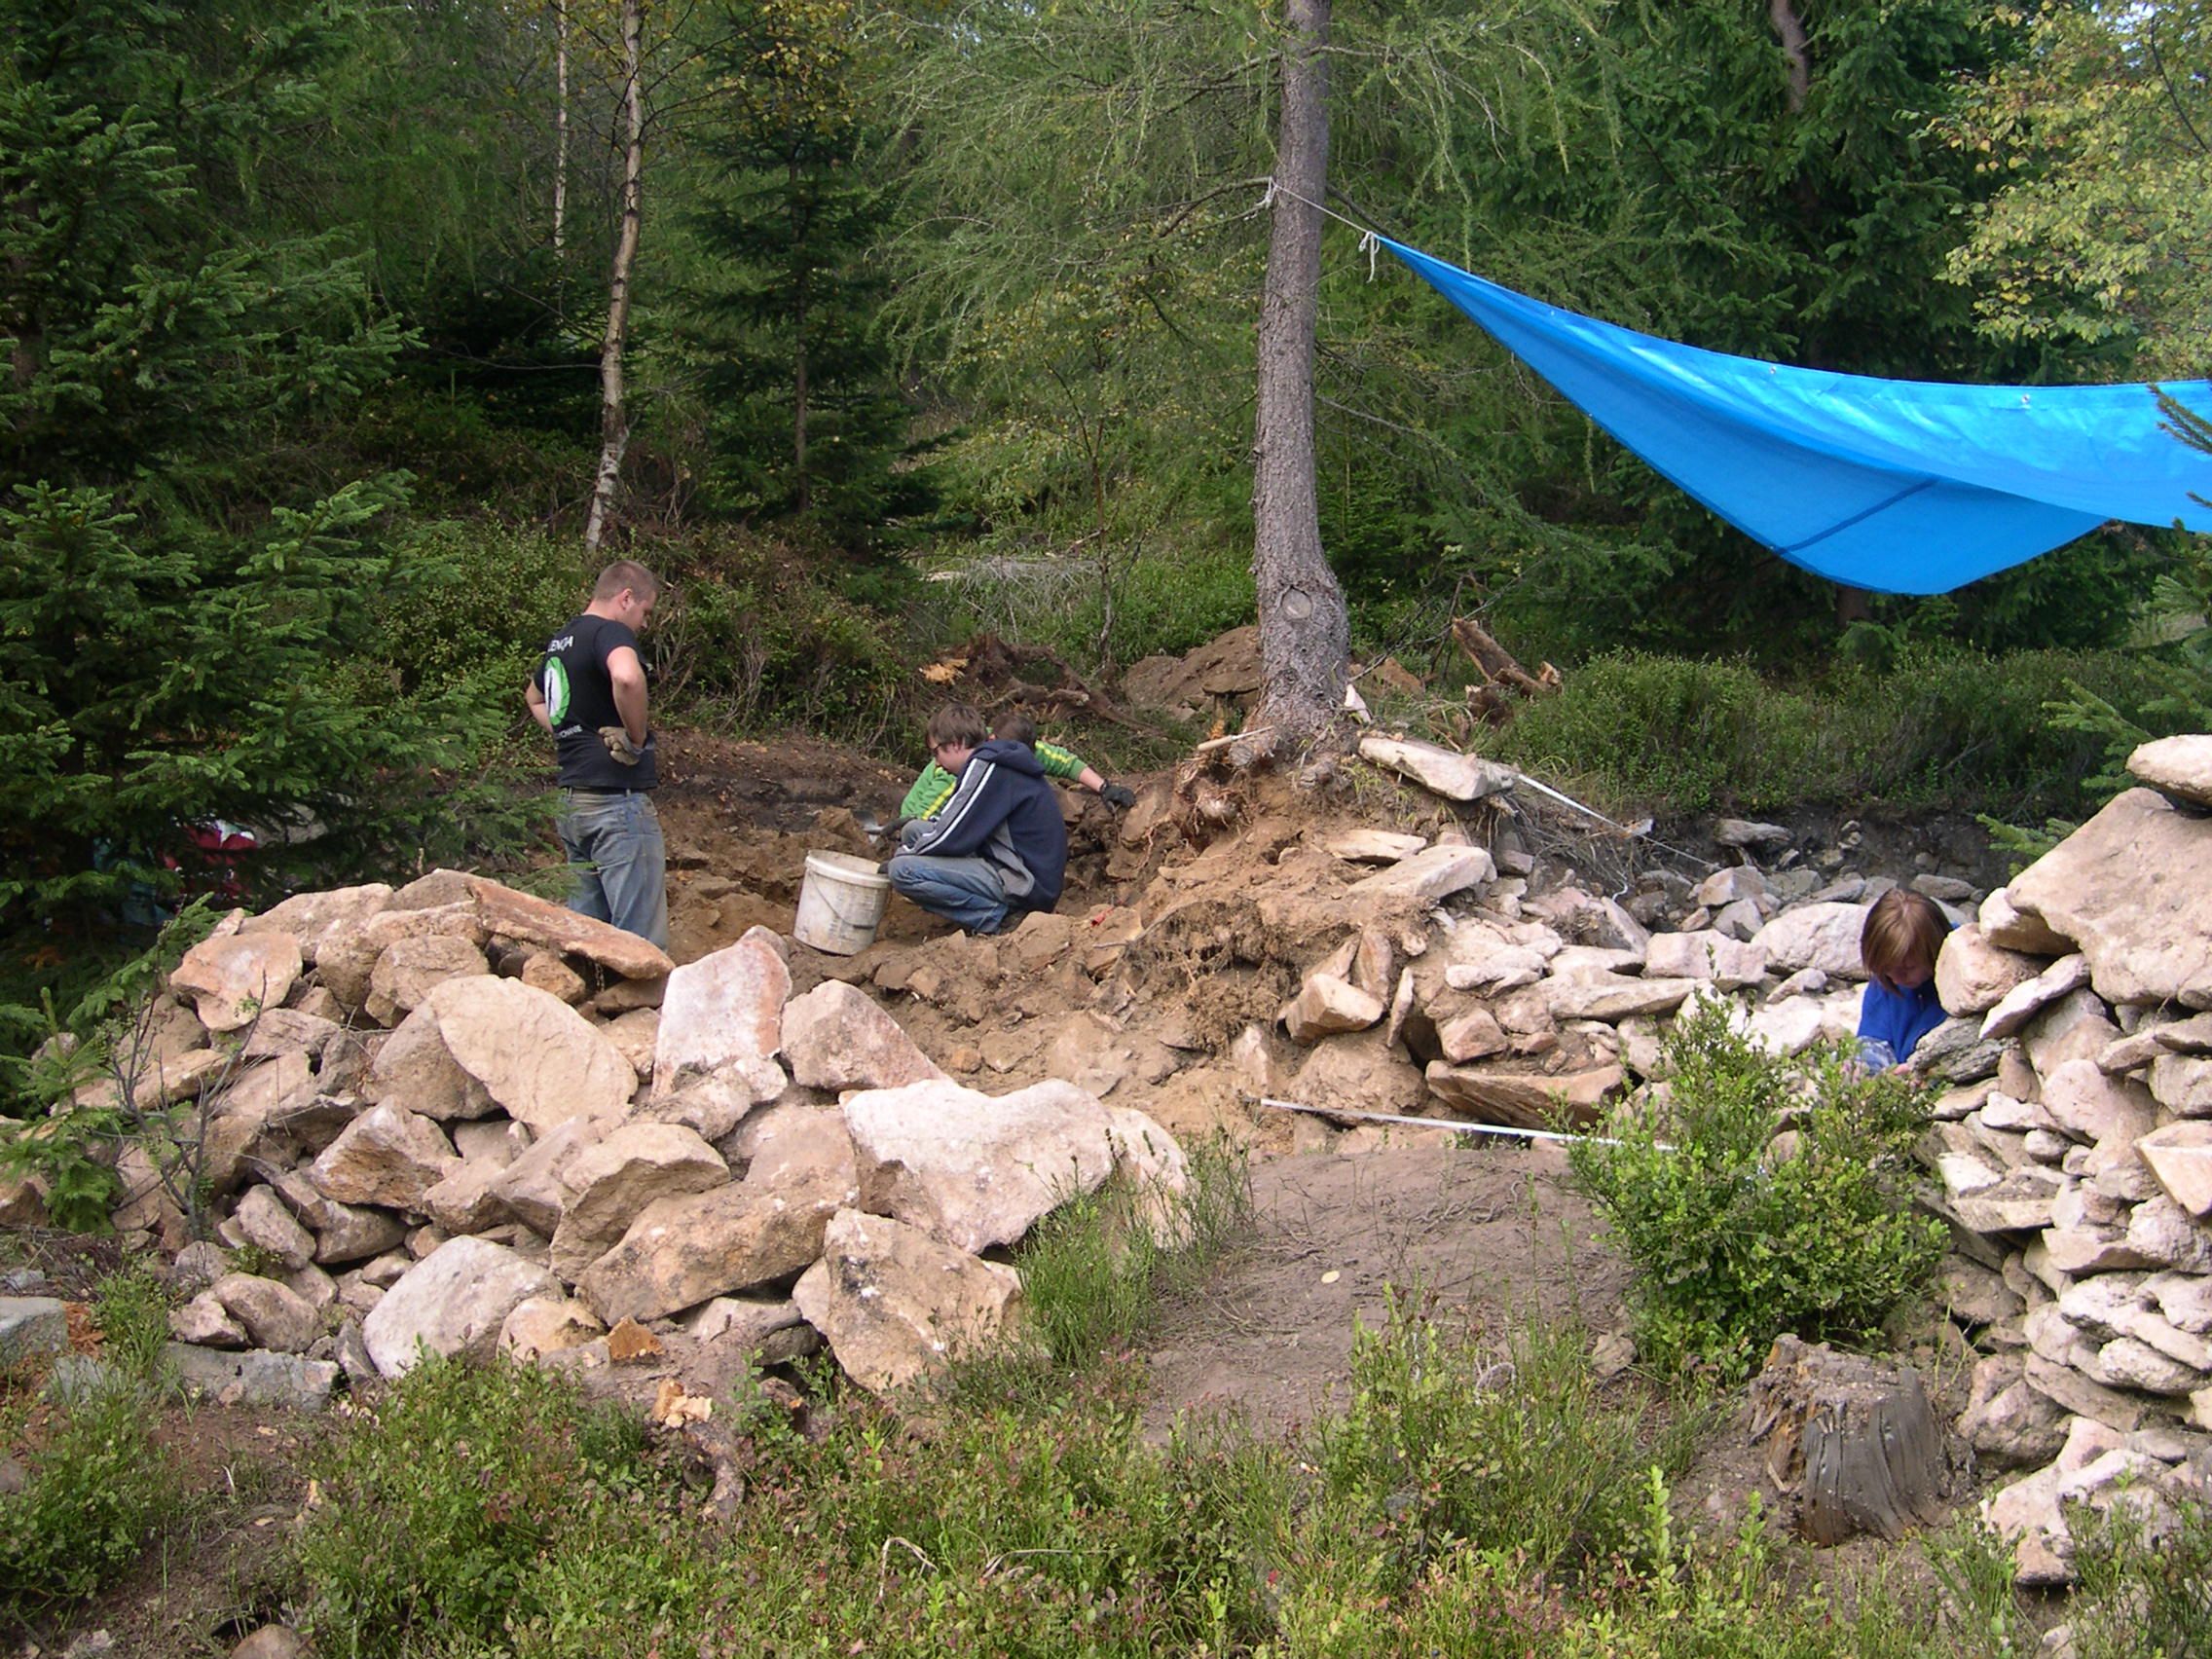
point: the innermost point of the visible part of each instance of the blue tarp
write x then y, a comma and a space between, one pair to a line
1897, 486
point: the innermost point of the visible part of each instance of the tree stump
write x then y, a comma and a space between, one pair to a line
1851, 1444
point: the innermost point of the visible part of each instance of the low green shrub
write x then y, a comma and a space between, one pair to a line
99, 1490
1943, 726
2144, 1590
487, 599
1146, 606
1504, 1447
131, 1308
1735, 1240
1657, 729
442, 1504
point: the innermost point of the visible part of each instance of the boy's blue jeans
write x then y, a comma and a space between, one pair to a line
620, 864
967, 891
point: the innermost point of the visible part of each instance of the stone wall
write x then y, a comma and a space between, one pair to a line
459, 1120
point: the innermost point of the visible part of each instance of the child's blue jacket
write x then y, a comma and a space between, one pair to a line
1899, 1018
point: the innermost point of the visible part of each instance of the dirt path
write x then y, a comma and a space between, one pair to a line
1479, 1231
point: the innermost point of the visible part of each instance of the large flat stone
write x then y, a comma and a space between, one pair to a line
2024, 1001
534, 1056
1531, 1100
2133, 889
614, 1181
1615, 997
530, 920
232, 977
750, 1234
976, 1170
837, 1037
31, 1327
308, 916
1823, 935
1427, 877
1974, 975
1440, 771
722, 1025
2180, 1155
2178, 767
453, 1302
345, 957
256, 1378
1704, 954
386, 1157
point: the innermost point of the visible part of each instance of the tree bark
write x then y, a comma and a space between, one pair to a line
1305, 634
560, 125
1791, 31
613, 413
1851, 1443
803, 487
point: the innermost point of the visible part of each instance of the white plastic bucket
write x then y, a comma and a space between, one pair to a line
840, 904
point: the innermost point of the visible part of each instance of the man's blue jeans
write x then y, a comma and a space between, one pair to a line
967, 891
614, 846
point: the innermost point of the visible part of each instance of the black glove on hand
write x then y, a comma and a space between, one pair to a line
1119, 797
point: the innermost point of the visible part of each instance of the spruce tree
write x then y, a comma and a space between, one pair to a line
185, 573
806, 414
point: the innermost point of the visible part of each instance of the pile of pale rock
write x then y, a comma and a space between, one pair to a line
2074, 1143
455, 1119
1499, 1003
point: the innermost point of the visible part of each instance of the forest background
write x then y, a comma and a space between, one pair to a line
939, 318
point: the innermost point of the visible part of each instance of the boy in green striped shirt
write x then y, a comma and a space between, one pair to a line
934, 787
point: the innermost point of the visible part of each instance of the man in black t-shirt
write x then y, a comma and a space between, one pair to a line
590, 693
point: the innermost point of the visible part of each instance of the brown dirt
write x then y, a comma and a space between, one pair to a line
1479, 1235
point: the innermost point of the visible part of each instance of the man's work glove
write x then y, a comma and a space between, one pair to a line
618, 743
1119, 796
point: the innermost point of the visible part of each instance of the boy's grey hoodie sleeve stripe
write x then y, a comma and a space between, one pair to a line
947, 822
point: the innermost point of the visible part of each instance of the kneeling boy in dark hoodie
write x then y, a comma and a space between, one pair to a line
999, 847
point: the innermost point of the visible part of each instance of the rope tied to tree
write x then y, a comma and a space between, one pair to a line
1370, 241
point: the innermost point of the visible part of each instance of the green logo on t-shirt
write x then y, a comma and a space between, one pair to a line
556, 690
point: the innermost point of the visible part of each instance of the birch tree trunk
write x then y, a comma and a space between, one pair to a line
560, 125
613, 413
800, 267
1305, 634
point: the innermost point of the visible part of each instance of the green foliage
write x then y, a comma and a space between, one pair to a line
47, 1055
1129, 609
1501, 1449
131, 1308
443, 1504
486, 600
1736, 1241
803, 409
1094, 1271
1934, 727
98, 1487
1480, 1499
179, 585
1974, 1566
2094, 137
2145, 1584
757, 634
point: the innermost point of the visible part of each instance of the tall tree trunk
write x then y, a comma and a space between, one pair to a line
1305, 634
614, 413
802, 490
560, 125
1791, 31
